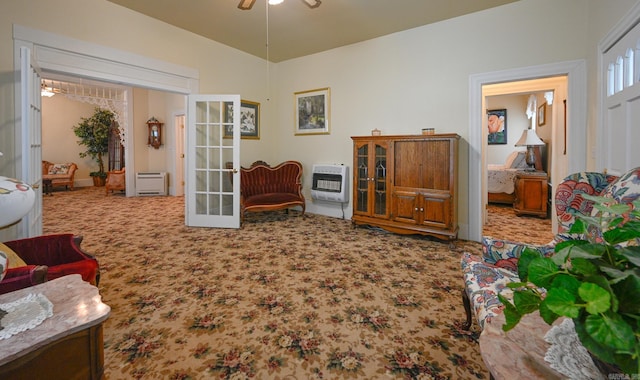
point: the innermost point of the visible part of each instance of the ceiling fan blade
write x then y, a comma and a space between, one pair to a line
312, 3
245, 5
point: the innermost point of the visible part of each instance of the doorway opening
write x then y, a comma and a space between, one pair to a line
574, 157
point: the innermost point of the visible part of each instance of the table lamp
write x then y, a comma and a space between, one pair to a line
530, 139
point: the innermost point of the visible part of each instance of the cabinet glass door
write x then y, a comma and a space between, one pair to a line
380, 180
362, 180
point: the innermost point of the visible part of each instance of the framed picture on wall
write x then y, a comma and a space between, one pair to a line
542, 114
497, 124
249, 121
312, 111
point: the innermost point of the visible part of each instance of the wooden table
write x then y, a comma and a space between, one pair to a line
532, 193
47, 186
67, 345
519, 353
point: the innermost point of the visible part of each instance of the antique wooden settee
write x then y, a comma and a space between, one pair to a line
59, 174
48, 257
266, 188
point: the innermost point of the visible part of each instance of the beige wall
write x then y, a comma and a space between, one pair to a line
398, 83
59, 143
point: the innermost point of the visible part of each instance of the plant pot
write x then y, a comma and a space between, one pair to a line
98, 181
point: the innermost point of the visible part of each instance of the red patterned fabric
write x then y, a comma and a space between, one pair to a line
60, 253
569, 200
22, 277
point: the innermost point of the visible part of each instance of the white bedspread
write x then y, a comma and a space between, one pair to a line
500, 179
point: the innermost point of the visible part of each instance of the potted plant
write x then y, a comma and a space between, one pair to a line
94, 135
594, 280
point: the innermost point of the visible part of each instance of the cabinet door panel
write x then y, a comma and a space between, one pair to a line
404, 207
361, 179
408, 156
437, 168
437, 210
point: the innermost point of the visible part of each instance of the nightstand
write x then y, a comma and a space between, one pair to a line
531, 193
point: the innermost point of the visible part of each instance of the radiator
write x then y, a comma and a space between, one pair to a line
330, 183
151, 183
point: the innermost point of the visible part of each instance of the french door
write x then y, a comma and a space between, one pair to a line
30, 129
213, 161
620, 130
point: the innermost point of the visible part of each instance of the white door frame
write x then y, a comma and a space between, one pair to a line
60, 54
576, 128
630, 19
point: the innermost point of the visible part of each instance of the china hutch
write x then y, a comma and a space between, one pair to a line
407, 184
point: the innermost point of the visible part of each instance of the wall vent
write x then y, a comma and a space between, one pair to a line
151, 183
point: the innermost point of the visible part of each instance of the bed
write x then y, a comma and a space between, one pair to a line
501, 177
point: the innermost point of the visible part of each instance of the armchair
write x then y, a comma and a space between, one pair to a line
61, 253
115, 180
486, 276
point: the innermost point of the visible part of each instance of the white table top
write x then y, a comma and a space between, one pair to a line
77, 305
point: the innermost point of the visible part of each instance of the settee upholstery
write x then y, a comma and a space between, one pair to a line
59, 174
266, 188
60, 253
487, 276
23, 277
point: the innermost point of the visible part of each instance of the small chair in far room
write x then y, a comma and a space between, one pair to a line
115, 180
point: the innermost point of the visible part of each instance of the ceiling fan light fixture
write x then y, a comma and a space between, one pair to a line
312, 3
245, 5
275, 2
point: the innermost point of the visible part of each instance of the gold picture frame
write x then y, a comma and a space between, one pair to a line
542, 114
312, 111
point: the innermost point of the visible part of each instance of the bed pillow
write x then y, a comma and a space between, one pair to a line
520, 161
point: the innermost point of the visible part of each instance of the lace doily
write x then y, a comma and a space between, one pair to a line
24, 314
567, 355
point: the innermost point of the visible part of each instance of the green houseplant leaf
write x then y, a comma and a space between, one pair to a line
593, 278
93, 134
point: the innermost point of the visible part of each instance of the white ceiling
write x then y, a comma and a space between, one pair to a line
295, 30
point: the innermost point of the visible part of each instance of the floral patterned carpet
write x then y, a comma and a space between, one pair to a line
284, 297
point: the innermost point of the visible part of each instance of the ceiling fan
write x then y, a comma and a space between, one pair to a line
245, 5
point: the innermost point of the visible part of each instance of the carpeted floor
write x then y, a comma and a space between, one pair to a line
284, 297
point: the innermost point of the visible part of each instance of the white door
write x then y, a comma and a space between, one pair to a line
620, 131
30, 127
213, 161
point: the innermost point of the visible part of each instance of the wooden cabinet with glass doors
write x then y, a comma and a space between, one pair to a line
407, 184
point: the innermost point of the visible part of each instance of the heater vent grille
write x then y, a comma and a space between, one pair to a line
330, 183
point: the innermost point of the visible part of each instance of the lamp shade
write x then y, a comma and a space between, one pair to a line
529, 138
16, 199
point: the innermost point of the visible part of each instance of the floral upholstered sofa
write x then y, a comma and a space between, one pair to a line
59, 174
487, 276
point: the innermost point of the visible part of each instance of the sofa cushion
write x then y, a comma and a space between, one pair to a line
14, 260
59, 169
625, 189
270, 199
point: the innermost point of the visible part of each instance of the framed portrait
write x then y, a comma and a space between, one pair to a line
497, 124
542, 114
249, 121
312, 112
